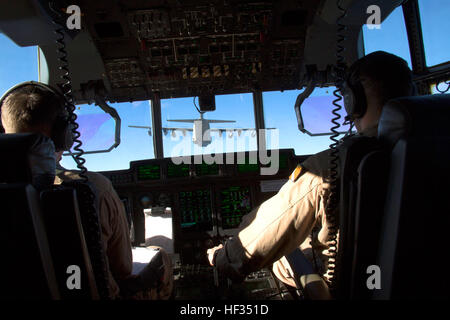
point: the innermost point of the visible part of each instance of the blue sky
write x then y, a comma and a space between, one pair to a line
20, 64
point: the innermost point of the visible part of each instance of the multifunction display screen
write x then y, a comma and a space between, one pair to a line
149, 172
177, 170
235, 202
205, 169
195, 210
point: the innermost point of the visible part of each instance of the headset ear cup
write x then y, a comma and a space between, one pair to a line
357, 100
62, 135
349, 99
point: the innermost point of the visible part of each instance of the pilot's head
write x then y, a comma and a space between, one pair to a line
35, 107
371, 82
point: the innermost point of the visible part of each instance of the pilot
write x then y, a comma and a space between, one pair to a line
295, 216
35, 107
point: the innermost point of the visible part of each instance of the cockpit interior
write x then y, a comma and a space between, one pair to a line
104, 53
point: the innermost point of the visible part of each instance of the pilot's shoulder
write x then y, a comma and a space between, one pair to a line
314, 166
97, 180
318, 163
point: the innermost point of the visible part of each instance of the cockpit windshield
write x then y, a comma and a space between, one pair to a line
217, 150
97, 127
234, 125
231, 126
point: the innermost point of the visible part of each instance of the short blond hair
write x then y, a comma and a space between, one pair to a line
29, 107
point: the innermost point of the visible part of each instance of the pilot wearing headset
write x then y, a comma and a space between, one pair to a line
36, 107
295, 217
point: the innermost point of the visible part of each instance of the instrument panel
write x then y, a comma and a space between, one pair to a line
235, 202
206, 201
195, 167
184, 48
195, 210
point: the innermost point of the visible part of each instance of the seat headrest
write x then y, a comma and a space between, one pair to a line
27, 158
424, 116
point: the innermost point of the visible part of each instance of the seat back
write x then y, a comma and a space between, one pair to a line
27, 158
27, 269
50, 223
417, 213
90, 221
369, 207
68, 246
355, 193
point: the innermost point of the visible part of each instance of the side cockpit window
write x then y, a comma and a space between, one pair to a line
18, 64
317, 114
434, 17
97, 131
382, 37
435, 24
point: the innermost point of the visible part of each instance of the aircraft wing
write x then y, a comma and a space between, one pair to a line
184, 120
228, 129
237, 129
220, 121
181, 129
141, 127
149, 129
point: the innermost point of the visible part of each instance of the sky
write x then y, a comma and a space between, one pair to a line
20, 64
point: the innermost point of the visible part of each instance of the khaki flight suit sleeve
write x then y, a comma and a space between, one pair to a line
275, 228
115, 234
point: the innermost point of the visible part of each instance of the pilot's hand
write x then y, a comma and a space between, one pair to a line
212, 254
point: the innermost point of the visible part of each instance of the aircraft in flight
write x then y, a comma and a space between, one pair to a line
201, 129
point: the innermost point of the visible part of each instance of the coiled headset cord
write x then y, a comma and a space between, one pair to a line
333, 201
66, 87
90, 217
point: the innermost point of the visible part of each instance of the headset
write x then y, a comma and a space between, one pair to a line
62, 135
355, 100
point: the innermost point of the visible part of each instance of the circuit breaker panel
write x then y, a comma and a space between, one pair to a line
191, 48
